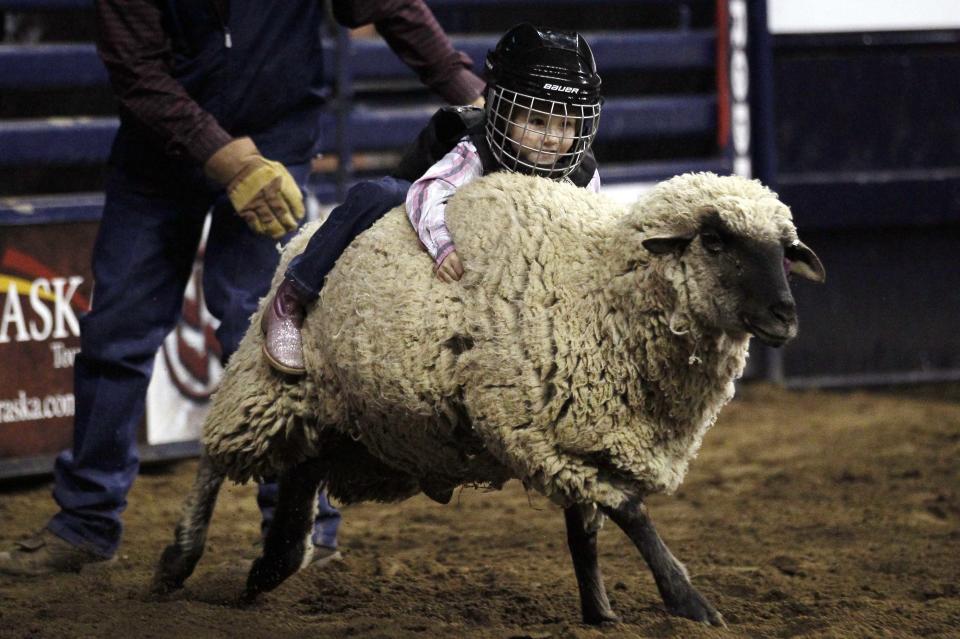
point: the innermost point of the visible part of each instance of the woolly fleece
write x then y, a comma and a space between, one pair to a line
567, 356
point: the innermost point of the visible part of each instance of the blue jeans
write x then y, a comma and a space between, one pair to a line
364, 204
142, 260
325, 526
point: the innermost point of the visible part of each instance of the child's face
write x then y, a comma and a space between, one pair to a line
538, 138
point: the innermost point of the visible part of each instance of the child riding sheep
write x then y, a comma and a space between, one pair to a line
541, 116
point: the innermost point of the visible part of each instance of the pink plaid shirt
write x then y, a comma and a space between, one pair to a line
427, 197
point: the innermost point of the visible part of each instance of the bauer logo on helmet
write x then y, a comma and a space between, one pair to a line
561, 88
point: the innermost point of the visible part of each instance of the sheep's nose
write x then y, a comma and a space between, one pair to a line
785, 311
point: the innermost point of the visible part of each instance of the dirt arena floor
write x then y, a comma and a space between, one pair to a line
807, 514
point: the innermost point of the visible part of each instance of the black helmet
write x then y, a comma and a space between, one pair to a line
545, 84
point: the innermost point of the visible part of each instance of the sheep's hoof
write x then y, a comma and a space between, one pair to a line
266, 574
601, 618
697, 608
260, 579
174, 568
160, 587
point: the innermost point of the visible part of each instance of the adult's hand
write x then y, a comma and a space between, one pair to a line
262, 191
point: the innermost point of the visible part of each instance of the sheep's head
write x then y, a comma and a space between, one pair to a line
733, 257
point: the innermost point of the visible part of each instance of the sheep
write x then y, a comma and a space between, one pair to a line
586, 351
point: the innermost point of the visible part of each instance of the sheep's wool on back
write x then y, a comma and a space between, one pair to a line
552, 360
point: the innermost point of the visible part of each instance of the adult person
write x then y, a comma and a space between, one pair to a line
219, 110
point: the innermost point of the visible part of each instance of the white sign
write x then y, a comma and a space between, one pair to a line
854, 16
187, 368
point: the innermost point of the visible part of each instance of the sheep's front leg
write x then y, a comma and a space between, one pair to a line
673, 582
583, 549
287, 547
180, 558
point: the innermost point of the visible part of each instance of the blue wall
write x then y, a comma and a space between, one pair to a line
867, 136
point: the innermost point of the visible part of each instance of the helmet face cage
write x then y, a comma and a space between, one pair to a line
539, 131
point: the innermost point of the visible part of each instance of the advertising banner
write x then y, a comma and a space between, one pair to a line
45, 287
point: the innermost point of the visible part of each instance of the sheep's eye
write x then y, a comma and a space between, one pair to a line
711, 241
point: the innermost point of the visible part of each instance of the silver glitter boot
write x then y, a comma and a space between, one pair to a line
281, 323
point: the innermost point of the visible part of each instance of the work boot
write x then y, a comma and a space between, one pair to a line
324, 555
281, 324
45, 554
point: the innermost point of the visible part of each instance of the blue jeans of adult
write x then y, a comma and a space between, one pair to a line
142, 261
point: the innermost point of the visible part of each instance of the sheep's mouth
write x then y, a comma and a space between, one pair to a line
775, 335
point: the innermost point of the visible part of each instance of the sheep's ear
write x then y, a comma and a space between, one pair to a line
665, 244
804, 262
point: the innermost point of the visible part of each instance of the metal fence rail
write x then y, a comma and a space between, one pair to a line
352, 126
72, 140
31, 66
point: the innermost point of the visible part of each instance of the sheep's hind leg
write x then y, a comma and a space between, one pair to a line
673, 582
287, 547
583, 549
180, 558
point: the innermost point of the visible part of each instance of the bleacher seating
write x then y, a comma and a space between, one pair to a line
646, 133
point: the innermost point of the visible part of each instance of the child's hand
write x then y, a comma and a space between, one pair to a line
450, 269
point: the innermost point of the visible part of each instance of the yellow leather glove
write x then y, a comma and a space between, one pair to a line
262, 191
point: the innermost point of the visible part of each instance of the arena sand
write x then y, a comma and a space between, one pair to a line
807, 514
